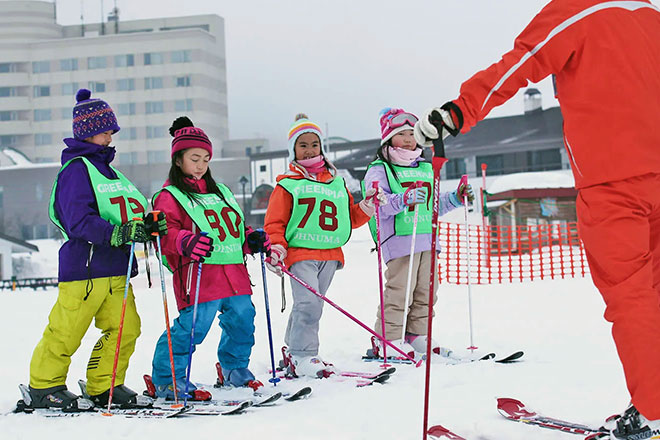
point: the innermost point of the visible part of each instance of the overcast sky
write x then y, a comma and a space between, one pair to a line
341, 61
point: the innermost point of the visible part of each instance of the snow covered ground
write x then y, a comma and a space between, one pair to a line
570, 368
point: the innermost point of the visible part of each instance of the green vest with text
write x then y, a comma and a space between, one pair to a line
403, 221
118, 199
221, 219
320, 214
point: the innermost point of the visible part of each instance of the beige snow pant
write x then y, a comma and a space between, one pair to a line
396, 276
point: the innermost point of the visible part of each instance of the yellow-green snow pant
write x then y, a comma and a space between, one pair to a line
67, 324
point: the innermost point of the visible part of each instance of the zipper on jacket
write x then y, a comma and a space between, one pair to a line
570, 155
90, 284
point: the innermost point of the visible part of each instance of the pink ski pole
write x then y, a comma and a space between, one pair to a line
353, 318
380, 273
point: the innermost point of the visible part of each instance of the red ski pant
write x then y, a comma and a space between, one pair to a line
619, 223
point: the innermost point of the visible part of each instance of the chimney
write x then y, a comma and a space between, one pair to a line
533, 101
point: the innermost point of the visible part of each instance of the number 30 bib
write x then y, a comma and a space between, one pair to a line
223, 222
320, 216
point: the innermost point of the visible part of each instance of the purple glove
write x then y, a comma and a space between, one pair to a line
196, 246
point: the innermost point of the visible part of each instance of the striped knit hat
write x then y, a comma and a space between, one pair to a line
186, 135
301, 126
92, 116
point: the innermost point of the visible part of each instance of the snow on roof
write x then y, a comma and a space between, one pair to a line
16, 156
543, 179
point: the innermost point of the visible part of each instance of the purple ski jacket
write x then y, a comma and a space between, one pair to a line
396, 246
89, 234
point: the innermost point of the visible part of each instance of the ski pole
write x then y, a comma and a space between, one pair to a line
148, 266
274, 379
354, 319
192, 330
417, 184
380, 273
438, 162
167, 315
464, 181
121, 322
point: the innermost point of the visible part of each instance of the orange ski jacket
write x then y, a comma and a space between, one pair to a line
605, 56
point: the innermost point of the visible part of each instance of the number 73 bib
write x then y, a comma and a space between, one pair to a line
320, 215
221, 219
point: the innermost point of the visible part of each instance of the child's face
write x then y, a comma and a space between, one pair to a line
103, 139
308, 145
404, 139
194, 162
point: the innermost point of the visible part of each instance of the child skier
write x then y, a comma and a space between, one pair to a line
194, 203
398, 165
93, 204
309, 217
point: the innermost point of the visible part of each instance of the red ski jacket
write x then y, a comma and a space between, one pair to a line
605, 56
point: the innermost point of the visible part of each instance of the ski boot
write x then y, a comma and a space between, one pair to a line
237, 377
312, 366
54, 397
634, 426
122, 397
166, 391
418, 343
377, 349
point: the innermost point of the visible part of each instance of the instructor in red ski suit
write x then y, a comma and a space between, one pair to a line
605, 56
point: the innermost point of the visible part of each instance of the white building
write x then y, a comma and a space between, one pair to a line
149, 71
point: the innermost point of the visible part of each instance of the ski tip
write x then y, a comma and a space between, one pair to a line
438, 431
512, 408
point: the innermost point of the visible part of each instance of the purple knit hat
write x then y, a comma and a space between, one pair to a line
92, 116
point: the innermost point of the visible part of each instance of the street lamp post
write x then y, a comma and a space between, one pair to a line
243, 181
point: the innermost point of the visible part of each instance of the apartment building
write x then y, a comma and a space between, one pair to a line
149, 71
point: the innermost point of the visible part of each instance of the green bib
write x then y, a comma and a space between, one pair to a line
320, 216
222, 221
118, 199
403, 221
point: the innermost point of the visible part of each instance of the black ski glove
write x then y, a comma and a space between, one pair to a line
155, 223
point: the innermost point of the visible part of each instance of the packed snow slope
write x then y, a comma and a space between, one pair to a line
570, 368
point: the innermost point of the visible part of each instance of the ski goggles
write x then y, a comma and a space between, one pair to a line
402, 119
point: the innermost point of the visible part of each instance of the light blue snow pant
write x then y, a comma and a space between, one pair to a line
302, 332
236, 320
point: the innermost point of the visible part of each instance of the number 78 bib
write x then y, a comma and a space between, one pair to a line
320, 215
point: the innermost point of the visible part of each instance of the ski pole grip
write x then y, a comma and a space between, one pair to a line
154, 214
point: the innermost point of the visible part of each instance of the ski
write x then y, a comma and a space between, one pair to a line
451, 360
143, 413
302, 393
207, 409
440, 432
141, 401
366, 375
515, 410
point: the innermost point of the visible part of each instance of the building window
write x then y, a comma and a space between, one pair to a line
8, 67
8, 115
42, 114
125, 84
128, 158
7, 91
154, 82
40, 66
41, 91
128, 134
153, 58
154, 132
126, 109
262, 168
544, 160
153, 107
69, 65
156, 157
455, 168
124, 60
183, 105
43, 139
97, 62
181, 56
96, 86
183, 81
65, 113
69, 89
8, 140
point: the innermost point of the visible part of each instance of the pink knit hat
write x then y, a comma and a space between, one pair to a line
187, 136
393, 121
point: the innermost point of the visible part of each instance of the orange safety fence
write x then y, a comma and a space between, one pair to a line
507, 254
